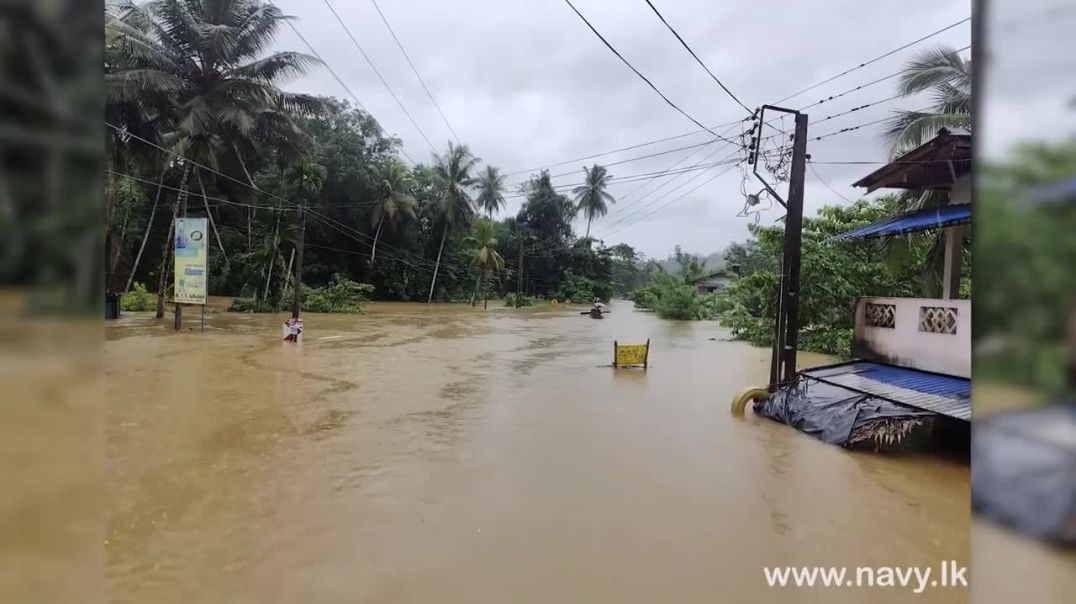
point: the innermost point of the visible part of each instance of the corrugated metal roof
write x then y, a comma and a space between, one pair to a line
944, 394
922, 220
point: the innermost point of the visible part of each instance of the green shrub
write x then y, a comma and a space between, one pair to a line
251, 305
138, 299
341, 295
576, 288
511, 299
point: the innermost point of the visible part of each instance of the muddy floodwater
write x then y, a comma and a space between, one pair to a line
447, 454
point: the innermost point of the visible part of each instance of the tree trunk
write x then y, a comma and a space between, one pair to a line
287, 273
297, 290
145, 236
182, 199
110, 195
166, 253
373, 254
212, 223
485, 291
272, 256
437, 265
250, 211
588, 227
474, 294
115, 259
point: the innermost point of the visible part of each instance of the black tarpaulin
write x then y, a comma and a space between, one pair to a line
1023, 471
839, 415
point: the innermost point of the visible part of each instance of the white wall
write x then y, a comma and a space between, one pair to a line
906, 345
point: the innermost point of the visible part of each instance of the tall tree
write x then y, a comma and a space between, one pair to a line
394, 201
485, 258
201, 65
591, 197
943, 72
454, 206
490, 187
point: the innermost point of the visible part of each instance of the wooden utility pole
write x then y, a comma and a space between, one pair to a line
297, 290
786, 322
519, 276
183, 213
793, 248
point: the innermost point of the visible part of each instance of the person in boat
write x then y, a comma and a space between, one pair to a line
598, 306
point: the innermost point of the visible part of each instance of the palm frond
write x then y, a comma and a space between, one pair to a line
909, 129
932, 67
275, 67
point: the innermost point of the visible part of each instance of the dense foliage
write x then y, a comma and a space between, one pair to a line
190, 79
833, 272
1027, 251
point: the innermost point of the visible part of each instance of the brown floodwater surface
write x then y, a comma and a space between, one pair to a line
447, 454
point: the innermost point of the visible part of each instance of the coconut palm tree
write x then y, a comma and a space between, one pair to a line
394, 202
490, 191
454, 207
198, 69
943, 72
591, 197
202, 63
486, 258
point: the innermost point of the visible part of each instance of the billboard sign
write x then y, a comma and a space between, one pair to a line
191, 285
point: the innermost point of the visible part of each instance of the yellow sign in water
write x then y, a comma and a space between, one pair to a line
190, 265
627, 355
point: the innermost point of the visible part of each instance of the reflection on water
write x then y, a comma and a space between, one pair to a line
440, 453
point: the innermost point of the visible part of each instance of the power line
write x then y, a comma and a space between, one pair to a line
852, 128
823, 181
696, 57
695, 132
875, 59
379, 76
637, 72
628, 148
675, 199
871, 83
336, 77
415, 71
670, 191
309, 211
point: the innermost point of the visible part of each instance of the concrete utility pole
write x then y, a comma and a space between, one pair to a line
297, 291
786, 324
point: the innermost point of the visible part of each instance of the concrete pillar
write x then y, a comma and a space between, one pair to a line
953, 252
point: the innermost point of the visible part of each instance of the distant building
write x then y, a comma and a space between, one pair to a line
712, 282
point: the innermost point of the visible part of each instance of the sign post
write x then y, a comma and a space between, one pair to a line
190, 272
631, 355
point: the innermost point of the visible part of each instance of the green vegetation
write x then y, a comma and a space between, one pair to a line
411, 232
138, 299
1027, 251
341, 295
512, 299
942, 72
834, 273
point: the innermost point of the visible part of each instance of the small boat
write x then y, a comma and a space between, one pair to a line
596, 312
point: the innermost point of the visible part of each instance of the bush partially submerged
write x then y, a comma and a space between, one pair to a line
341, 295
138, 299
671, 298
511, 299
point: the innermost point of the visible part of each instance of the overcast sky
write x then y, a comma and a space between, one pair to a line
524, 83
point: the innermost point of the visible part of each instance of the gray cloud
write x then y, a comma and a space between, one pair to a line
525, 83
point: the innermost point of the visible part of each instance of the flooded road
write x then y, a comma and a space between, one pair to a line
444, 454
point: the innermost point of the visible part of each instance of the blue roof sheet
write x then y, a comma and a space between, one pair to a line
922, 220
1063, 190
945, 394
